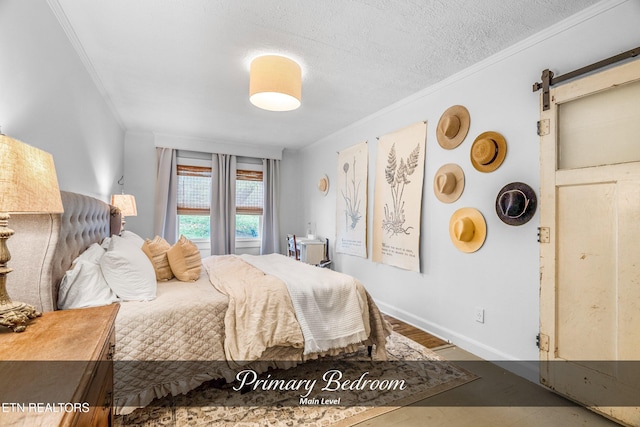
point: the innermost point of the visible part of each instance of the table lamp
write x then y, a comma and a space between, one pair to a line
127, 205
28, 184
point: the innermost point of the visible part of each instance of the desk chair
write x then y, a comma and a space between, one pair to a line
292, 247
326, 262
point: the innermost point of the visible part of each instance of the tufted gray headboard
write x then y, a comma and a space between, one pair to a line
44, 245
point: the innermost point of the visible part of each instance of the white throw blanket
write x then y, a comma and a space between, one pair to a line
260, 314
330, 307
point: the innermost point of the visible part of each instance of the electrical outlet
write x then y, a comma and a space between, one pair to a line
479, 314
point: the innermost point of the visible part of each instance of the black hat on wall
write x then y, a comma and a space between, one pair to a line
516, 203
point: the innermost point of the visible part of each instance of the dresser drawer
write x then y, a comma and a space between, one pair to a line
99, 393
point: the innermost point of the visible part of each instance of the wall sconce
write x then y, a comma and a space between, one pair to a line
275, 83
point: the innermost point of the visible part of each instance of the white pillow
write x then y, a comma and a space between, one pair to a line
92, 254
105, 243
132, 237
128, 271
84, 286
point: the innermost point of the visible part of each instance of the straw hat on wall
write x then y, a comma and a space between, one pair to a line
467, 229
453, 127
488, 151
323, 185
448, 183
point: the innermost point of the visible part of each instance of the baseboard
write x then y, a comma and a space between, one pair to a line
528, 369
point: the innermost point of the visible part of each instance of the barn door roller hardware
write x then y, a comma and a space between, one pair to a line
548, 79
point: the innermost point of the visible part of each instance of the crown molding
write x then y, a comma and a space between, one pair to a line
205, 145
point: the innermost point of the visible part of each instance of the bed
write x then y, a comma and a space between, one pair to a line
192, 332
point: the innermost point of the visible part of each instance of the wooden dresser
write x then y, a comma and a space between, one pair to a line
59, 371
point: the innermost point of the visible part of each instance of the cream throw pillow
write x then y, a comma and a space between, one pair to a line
156, 250
184, 259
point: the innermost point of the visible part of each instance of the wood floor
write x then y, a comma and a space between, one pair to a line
413, 333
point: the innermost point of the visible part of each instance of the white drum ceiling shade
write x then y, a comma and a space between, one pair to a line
275, 83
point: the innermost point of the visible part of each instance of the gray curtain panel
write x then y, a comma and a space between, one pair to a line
165, 212
223, 204
271, 209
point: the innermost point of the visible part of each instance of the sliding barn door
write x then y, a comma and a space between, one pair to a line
590, 242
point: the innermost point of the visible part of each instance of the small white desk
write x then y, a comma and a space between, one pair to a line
311, 250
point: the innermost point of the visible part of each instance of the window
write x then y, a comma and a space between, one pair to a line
194, 202
249, 202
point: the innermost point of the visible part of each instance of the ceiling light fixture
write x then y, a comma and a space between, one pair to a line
275, 83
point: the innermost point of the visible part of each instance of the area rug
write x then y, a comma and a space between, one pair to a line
337, 391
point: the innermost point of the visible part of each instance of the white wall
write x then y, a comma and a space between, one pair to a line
502, 277
139, 180
48, 100
292, 212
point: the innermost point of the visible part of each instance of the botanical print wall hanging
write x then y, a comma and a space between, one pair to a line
398, 197
351, 212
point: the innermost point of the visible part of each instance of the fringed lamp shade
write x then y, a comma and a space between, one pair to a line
275, 83
28, 184
28, 181
126, 203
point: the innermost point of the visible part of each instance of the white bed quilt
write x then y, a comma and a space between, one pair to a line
158, 341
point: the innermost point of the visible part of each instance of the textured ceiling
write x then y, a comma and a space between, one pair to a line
181, 67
